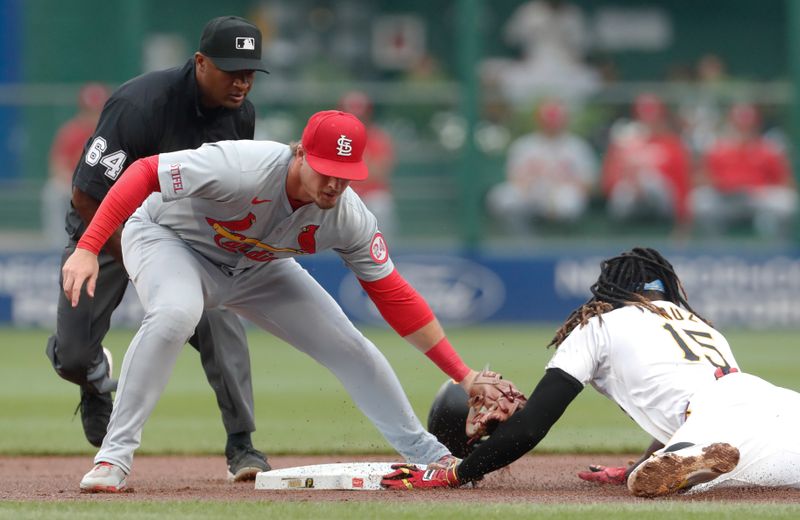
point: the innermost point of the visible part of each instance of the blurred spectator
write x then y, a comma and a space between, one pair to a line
701, 113
646, 173
379, 157
745, 177
711, 70
550, 174
552, 36
425, 70
65, 152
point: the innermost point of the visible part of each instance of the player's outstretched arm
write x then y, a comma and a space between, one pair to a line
525, 429
493, 398
511, 440
407, 312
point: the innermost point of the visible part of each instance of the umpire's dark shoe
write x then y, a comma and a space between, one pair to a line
95, 412
245, 462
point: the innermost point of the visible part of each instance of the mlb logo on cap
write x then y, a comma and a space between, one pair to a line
246, 43
334, 144
232, 44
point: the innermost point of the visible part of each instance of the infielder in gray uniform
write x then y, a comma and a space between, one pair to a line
203, 101
228, 222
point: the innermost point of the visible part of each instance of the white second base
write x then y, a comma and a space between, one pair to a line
359, 476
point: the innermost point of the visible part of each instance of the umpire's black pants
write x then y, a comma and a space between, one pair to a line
76, 349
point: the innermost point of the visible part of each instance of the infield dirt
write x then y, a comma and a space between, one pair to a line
537, 478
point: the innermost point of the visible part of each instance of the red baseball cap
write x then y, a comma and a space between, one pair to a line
334, 143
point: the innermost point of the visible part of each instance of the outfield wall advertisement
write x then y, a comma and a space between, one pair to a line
750, 291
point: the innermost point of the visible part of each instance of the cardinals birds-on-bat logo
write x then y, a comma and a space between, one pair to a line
228, 237
307, 239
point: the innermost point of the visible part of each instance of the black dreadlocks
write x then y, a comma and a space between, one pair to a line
622, 281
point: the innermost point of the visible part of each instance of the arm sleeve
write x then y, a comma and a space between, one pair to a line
525, 429
120, 203
407, 311
403, 308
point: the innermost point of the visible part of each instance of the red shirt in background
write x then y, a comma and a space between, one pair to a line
68, 144
662, 153
735, 165
379, 156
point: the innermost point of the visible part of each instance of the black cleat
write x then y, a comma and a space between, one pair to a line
95, 413
96, 408
245, 462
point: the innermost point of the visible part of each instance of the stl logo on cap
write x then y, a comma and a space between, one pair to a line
343, 146
334, 143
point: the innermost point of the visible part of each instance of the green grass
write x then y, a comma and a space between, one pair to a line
301, 408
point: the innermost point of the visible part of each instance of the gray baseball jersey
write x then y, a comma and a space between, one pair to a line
222, 232
228, 201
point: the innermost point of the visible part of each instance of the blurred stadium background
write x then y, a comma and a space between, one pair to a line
430, 69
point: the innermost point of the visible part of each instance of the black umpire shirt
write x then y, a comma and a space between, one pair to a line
150, 114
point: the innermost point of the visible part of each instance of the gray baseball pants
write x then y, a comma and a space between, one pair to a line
278, 296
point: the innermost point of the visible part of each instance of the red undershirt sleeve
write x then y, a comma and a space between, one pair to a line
127, 194
406, 311
399, 303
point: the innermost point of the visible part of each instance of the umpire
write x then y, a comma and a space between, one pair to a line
202, 101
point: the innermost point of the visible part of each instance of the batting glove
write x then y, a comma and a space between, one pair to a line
410, 476
604, 475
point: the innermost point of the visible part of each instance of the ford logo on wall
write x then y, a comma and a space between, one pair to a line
458, 290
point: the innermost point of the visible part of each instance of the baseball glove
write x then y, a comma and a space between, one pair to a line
492, 400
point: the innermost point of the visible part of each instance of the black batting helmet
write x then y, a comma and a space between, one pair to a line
447, 419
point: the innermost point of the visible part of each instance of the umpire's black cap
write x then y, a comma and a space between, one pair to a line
233, 44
